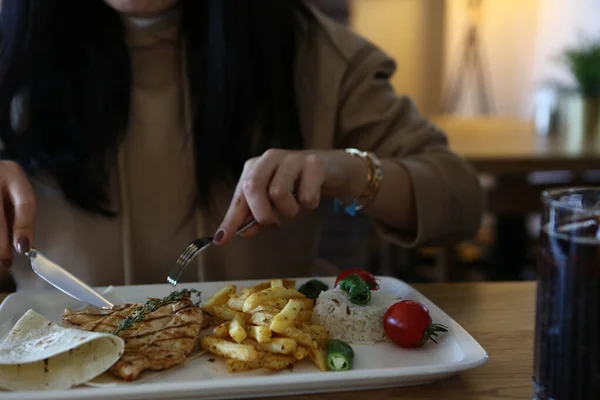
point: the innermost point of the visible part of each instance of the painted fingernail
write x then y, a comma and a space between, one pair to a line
219, 236
6, 263
276, 220
317, 202
23, 245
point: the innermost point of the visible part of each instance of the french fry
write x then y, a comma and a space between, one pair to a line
274, 362
237, 329
266, 308
258, 288
227, 349
235, 303
289, 283
277, 362
227, 314
277, 283
219, 298
272, 304
263, 296
317, 331
222, 331
304, 316
241, 366
278, 345
319, 358
286, 283
307, 304
244, 293
261, 319
301, 353
286, 316
299, 336
267, 326
261, 334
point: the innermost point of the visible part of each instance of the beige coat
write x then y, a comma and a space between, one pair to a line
345, 100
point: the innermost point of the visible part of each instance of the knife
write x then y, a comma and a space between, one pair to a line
64, 281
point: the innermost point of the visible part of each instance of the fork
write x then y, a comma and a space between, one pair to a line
193, 249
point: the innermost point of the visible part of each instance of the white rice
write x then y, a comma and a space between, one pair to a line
353, 323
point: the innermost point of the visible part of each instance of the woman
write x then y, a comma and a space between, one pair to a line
131, 127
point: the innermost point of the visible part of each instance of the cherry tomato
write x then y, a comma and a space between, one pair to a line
408, 324
364, 275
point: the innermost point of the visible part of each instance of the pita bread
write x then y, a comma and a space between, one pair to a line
40, 355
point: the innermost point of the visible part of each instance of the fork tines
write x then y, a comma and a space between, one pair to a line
188, 254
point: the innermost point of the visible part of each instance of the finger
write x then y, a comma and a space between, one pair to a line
5, 250
255, 186
311, 181
230, 225
23, 201
252, 231
234, 218
281, 189
239, 213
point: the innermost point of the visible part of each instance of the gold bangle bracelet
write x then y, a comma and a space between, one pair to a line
374, 178
375, 182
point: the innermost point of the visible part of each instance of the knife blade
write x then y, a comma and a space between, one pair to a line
64, 281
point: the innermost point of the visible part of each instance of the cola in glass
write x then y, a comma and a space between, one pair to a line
567, 333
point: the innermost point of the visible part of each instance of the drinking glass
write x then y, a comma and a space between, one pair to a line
567, 338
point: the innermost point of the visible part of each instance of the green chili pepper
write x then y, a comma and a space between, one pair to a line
339, 355
313, 288
357, 289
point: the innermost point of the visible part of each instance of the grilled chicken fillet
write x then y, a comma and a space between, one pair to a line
159, 340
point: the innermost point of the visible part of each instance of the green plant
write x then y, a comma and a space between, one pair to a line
584, 63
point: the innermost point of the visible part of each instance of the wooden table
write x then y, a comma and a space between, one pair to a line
501, 317
510, 150
502, 146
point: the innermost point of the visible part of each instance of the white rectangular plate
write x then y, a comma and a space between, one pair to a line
375, 366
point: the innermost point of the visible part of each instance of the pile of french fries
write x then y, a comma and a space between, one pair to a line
265, 326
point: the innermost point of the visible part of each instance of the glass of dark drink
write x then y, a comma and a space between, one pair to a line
567, 338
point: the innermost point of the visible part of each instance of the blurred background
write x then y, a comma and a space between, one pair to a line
516, 86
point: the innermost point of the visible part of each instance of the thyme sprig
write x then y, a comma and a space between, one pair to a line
152, 305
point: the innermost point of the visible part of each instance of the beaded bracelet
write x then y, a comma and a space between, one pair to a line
374, 178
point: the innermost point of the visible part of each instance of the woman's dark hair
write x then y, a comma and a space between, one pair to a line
69, 62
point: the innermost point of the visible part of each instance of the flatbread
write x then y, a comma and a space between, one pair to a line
41, 355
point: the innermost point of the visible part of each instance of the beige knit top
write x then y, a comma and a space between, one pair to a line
343, 102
